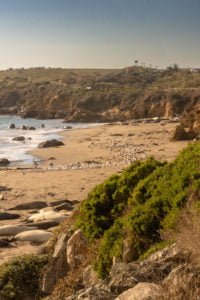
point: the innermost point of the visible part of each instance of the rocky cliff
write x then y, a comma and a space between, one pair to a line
101, 95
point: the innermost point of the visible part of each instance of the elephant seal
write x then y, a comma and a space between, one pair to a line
34, 236
4, 243
47, 209
64, 206
12, 230
29, 205
47, 215
44, 224
58, 202
8, 216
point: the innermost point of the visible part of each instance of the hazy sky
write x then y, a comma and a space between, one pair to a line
99, 33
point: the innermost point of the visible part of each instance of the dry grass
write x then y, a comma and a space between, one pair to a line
183, 283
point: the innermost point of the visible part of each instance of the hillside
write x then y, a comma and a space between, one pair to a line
136, 233
101, 95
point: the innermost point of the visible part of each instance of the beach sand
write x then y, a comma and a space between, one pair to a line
88, 157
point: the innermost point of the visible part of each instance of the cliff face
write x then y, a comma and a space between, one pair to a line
94, 96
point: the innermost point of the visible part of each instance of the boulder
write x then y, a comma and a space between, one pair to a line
180, 134
183, 282
24, 127
129, 252
142, 291
12, 126
31, 128
90, 277
61, 244
50, 143
153, 269
99, 292
57, 267
4, 162
67, 127
19, 138
29, 205
76, 249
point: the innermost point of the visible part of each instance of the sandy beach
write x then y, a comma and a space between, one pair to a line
88, 157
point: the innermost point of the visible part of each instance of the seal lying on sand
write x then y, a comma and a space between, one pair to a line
34, 236
64, 206
8, 216
44, 224
47, 215
29, 205
58, 202
4, 243
7, 230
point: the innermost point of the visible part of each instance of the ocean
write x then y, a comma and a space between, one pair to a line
16, 151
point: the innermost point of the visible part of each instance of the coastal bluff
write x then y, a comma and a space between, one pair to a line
101, 95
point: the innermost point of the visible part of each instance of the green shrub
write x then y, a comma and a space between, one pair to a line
107, 201
140, 204
20, 276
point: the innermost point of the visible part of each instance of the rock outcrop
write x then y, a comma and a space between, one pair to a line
76, 249
19, 138
101, 95
50, 143
4, 162
143, 280
142, 291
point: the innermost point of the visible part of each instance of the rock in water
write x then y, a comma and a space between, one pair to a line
4, 162
34, 236
12, 230
29, 205
50, 143
8, 216
19, 138
12, 126
31, 128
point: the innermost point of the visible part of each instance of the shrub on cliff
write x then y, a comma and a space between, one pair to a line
138, 205
108, 201
20, 276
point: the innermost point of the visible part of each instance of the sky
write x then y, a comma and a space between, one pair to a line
99, 33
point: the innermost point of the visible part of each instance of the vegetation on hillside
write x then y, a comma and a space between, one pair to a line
19, 278
138, 206
134, 209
